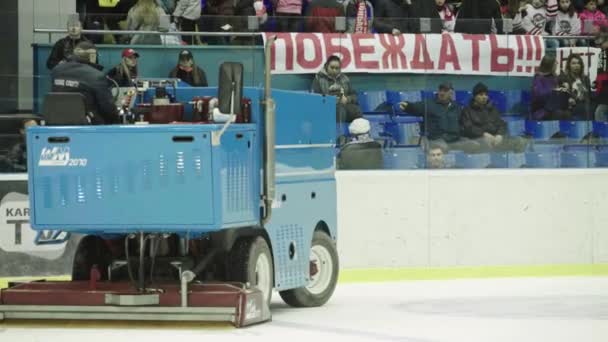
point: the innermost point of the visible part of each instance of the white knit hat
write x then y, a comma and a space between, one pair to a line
359, 126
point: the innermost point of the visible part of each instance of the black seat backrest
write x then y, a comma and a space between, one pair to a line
363, 156
231, 79
61, 109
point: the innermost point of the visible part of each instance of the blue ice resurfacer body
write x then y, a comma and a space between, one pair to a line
186, 182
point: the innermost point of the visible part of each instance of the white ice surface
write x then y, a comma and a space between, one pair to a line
490, 310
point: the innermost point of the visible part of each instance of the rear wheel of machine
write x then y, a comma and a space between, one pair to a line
251, 262
91, 251
324, 275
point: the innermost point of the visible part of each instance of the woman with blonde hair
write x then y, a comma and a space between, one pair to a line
145, 16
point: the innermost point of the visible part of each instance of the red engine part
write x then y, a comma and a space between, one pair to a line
161, 114
245, 116
200, 109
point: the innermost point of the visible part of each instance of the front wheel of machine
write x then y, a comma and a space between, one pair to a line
251, 262
324, 266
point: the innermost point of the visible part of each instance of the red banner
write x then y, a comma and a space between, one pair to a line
455, 53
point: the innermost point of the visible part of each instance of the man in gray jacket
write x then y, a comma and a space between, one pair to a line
442, 120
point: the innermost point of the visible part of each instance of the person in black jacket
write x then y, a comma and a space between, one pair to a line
393, 16
479, 17
442, 120
481, 121
81, 74
63, 47
187, 71
16, 158
426, 9
125, 72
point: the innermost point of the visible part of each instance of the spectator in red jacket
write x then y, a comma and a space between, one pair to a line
321, 16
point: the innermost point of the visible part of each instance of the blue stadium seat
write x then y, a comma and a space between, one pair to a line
428, 94
405, 130
579, 156
544, 156
370, 101
463, 97
394, 97
378, 125
542, 130
505, 160
499, 100
514, 100
526, 98
601, 158
450, 158
600, 128
575, 129
516, 125
473, 161
403, 158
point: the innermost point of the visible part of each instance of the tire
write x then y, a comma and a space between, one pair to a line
251, 262
91, 251
322, 285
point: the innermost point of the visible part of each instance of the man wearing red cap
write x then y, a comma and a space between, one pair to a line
126, 71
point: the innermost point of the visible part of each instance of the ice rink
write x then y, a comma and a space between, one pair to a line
480, 310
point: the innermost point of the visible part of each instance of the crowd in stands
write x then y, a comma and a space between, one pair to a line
535, 17
473, 127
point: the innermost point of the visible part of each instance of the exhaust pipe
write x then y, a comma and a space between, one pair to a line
269, 136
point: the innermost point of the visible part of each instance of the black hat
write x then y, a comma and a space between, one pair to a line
446, 85
185, 54
480, 88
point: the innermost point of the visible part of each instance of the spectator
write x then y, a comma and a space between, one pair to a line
601, 112
82, 74
602, 5
16, 159
359, 14
63, 48
543, 87
167, 5
567, 23
435, 157
446, 13
442, 120
331, 81
187, 13
288, 13
359, 131
393, 16
510, 8
145, 16
125, 72
592, 18
533, 17
479, 17
187, 70
219, 19
361, 152
427, 9
481, 121
574, 79
321, 15
549, 100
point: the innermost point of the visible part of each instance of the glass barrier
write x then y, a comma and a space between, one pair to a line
434, 93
